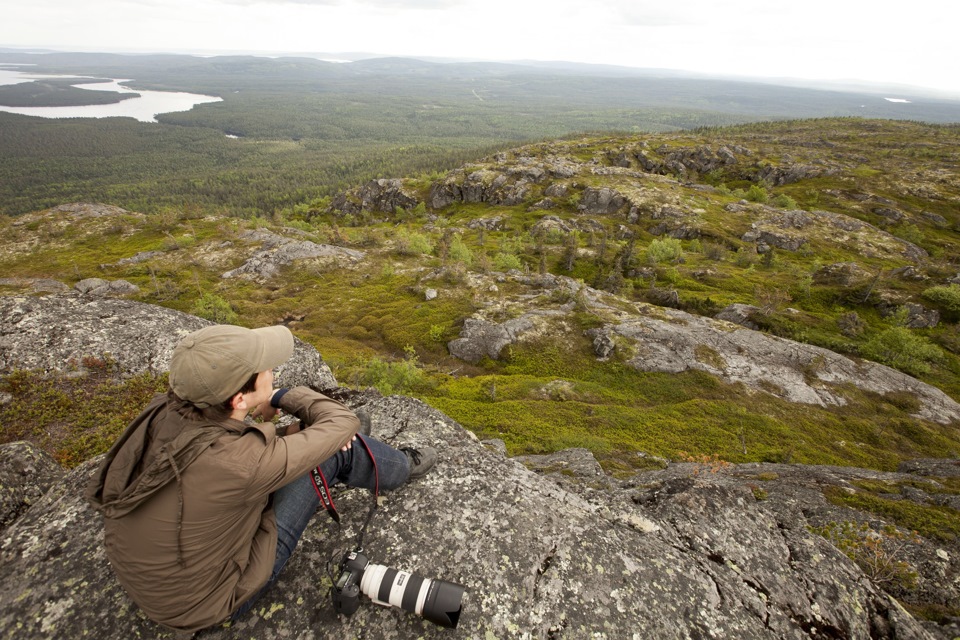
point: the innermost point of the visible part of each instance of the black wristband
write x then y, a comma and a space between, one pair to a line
275, 400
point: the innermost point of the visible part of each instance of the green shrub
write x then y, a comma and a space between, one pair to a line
851, 325
756, 193
745, 257
212, 307
437, 333
665, 250
900, 348
397, 377
785, 202
947, 297
506, 261
460, 252
411, 243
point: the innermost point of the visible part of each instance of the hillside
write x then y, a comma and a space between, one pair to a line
838, 234
547, 547
781, 293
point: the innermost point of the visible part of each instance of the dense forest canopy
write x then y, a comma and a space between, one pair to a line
304, 128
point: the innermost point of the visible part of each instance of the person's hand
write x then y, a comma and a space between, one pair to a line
349, 444
266, 411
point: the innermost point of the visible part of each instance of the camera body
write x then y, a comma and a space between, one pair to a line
438, 601
346, 590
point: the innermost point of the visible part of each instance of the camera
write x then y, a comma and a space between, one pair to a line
438, 601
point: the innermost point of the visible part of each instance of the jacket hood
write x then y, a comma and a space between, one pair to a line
150, 454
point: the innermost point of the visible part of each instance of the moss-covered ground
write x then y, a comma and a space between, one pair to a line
374, 326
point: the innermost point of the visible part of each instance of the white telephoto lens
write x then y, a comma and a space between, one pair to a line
370, 583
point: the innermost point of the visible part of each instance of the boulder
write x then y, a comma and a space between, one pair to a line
101, 287
844, 274
603, 201
917, 316
278, 251
574, 462
384, 195
493, 223
740, 314
481, 338
56, 333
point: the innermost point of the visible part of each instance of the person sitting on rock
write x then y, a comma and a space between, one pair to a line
202, 506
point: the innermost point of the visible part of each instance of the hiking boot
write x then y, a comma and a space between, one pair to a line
421, 460
365, 423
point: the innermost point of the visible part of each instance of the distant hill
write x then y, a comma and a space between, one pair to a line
301, 128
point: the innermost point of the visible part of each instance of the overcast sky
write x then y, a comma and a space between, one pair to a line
912, 43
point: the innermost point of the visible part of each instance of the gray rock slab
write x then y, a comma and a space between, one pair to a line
55, 333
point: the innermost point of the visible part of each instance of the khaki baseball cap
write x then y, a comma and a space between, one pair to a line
210, 365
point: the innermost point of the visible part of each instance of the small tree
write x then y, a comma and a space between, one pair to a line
460, 252
506, 262
411, 243
570, 246
665, 250
212, 307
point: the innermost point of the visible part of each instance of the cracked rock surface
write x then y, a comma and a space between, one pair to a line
676, 554
56, 333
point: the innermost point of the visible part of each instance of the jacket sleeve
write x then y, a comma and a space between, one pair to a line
328, 425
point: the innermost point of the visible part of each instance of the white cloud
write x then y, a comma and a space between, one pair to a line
814, 39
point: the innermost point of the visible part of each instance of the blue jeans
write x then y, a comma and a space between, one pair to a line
294, 504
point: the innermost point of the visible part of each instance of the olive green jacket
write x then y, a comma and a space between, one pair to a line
188, 522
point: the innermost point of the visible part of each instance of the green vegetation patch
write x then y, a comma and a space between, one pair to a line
77, 415
930, 521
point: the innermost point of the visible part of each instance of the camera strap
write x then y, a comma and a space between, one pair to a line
322, 488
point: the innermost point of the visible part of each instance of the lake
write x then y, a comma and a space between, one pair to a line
145, 108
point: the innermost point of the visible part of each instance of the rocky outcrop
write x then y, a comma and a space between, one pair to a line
681, 552
384, 195
57, 333
602, 201
481, 185
790, 173
700, 159
26, 474
693, 557
480, 338
792, 229
36, 285
278, 251
672, 341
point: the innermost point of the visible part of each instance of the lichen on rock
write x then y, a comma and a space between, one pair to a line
671, 553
